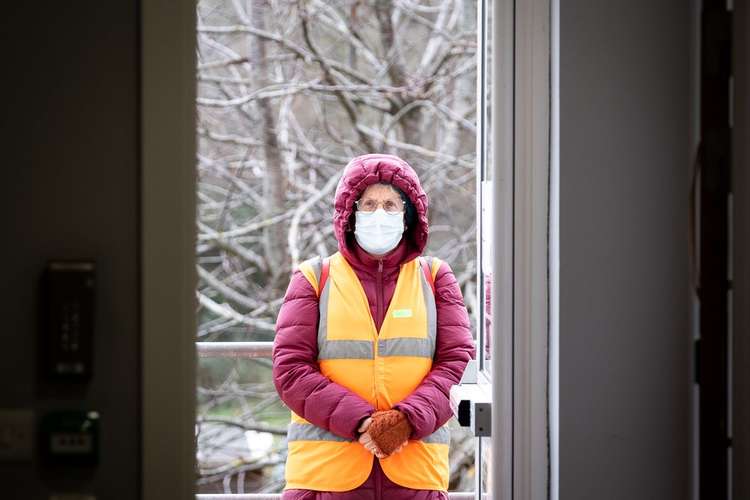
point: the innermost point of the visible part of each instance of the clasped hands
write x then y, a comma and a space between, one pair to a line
385, 432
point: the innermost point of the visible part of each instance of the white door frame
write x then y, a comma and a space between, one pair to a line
168, 276
522, 414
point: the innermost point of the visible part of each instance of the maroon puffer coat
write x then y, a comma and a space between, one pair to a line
326, 404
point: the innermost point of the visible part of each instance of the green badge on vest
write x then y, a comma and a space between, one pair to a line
402, 313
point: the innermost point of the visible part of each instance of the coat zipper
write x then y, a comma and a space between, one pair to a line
379, 312
378, 307
379, 295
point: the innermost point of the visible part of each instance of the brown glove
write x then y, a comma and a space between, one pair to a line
389, 429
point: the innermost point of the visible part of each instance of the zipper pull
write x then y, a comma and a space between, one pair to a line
380, 266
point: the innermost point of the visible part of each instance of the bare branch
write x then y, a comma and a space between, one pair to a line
302, 209
257, 426
299, 51
343, 97
226, 311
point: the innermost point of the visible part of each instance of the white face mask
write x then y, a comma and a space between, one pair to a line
378, 232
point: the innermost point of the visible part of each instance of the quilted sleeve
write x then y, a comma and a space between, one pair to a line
296, 374
428, 407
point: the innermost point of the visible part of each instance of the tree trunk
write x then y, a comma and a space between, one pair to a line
274, 184
411, 121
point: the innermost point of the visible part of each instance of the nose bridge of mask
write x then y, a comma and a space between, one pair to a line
380, 218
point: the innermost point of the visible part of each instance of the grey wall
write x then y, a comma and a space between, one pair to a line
741, 188
624, 337
70, 190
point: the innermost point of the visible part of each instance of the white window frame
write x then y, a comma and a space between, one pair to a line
168, 278
524, 352
531, 244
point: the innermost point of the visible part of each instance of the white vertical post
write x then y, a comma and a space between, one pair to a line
502, 143
554, 257
481, 145
531, 164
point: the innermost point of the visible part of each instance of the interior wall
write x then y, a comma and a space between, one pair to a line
624, 334
70, 151
741, 251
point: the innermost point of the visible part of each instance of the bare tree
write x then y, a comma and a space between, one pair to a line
288, 92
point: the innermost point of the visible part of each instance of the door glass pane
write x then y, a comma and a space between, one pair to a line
486, 203
487, 215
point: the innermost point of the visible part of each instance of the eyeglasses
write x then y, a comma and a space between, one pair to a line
391, 207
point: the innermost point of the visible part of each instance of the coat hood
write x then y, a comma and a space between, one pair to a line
363, 171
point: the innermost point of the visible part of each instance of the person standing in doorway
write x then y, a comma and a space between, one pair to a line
368, 343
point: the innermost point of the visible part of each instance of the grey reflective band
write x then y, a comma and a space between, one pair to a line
428, 259
346, 349
323, 317
440, 436
310, 432
430, 309
405, 346
317, 265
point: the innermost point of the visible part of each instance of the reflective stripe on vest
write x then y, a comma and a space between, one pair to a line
381, 367
309, 432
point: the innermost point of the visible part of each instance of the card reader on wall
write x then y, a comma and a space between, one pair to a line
70, 438
67, 322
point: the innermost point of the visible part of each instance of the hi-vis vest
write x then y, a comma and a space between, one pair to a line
383, 369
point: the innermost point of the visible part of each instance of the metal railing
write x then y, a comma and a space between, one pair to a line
234, 349
261, 350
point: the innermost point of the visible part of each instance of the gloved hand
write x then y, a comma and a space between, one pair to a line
385, 432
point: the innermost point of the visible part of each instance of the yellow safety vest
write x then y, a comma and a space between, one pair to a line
383, 369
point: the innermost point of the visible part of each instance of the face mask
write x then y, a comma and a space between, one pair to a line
378, 232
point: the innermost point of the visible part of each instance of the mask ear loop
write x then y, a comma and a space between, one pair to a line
405, 199
348, 226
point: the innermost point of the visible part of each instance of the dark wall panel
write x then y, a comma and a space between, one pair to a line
741, 263
70, 190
